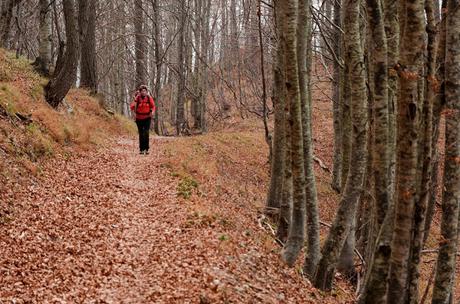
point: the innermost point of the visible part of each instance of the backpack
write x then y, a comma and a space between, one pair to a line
139, 99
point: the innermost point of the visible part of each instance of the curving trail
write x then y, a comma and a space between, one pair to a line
107, 227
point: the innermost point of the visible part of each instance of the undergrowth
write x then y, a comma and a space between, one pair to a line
78, 124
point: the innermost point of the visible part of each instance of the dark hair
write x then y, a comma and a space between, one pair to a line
142, 87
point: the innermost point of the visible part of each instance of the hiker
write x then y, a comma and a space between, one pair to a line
144, 107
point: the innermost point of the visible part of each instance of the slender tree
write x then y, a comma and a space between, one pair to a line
141, 43
296, 235
445, 268
353, 187
304, 60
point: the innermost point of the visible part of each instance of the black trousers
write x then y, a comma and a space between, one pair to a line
143, 127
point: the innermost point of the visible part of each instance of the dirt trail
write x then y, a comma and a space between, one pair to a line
107, 227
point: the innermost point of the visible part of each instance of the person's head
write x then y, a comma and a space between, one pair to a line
143, 90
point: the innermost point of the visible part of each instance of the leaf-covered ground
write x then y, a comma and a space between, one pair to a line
112, 226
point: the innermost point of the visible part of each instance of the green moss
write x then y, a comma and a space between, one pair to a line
186, 186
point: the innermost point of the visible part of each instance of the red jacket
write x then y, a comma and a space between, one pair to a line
143, 106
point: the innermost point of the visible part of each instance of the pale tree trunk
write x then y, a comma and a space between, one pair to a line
279, 149
445, 268
159, 66
87, 26
353, 187
64, 77
140, 44
410, 61
43, 61
304, 61
296, 234
180, 115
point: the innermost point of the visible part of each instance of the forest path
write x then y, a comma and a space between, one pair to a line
107, 226
104, 226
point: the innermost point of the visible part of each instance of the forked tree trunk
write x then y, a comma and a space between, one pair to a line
353, 187
64, 77
445, 269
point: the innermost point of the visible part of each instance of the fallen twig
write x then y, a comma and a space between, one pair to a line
321, 164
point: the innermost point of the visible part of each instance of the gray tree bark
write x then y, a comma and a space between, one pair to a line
43, 61
64, 77
140, 44
88, 62
353, 187
445, 268
296, 234
408, 112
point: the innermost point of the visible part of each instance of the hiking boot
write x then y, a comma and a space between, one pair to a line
141, 152
146, 152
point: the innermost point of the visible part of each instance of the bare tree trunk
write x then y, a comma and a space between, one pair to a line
141, 43
446, 267
438, 105
353, 187
296, 234
425, 158
65, 77
88, 63
337, 43
380, 154
5, 21
304, 61
411, 61
279, 150
180, 115
43, 61
159, 65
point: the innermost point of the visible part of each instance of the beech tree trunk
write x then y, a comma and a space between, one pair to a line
353, 187
425, 158
412, 42
278, 162
445, 269
336, 102
296, 234
180, 113
140, 44
304, 61
43, 61
88, 62
65, 76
